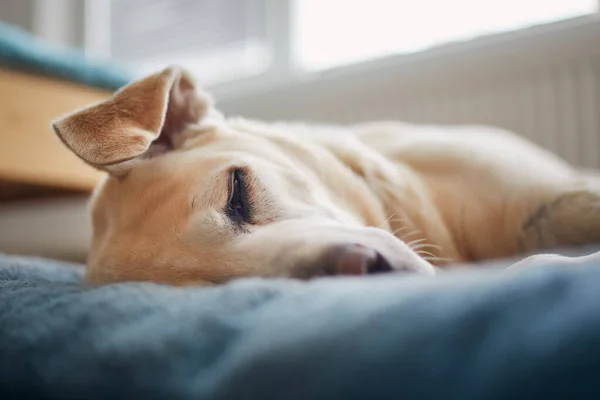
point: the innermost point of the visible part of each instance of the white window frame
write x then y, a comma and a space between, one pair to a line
282, 68
271, 64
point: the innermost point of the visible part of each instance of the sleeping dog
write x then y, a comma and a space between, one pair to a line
192, 197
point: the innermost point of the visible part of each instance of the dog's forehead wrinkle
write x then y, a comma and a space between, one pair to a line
278, 148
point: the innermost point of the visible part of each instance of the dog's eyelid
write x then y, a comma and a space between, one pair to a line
241, 194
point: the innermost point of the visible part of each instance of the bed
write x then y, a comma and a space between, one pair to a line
466, 335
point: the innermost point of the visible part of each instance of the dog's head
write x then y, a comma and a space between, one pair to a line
192, 198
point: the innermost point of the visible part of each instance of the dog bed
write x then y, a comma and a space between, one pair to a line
492, 335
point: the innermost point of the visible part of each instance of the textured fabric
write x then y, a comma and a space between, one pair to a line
22, 51
475, 335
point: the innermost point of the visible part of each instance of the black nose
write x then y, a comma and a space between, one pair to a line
355, 259
382, 265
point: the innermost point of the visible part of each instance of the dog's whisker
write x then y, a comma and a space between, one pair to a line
388, 219
412, 233
396, 218
396, 231
426, 246
413, 242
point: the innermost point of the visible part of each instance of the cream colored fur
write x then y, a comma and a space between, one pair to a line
417, 195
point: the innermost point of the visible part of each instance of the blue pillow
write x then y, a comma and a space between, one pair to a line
470, 335
20, 50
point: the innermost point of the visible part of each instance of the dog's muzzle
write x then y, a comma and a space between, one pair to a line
356, 259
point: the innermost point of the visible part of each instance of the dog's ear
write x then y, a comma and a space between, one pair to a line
140, 119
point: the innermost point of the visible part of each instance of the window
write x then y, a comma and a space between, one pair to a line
226, 40
336, 32
218, 39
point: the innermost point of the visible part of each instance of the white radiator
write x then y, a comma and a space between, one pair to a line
555, 105
543, 83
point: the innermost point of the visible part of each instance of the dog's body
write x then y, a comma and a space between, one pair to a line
193, 197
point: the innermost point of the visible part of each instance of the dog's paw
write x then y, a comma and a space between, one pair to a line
573, 219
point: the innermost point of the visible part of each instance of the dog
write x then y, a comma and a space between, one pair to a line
194, 198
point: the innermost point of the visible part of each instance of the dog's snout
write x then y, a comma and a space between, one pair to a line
354, 259
382, 265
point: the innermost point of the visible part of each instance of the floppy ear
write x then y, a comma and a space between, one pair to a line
141, 119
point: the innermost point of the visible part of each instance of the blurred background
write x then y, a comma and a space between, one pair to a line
532, 66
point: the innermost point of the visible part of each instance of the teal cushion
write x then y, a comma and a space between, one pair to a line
470, 335
20, 50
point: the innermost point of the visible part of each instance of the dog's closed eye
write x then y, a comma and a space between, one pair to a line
239, 203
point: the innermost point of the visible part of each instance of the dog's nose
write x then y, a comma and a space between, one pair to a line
354, 259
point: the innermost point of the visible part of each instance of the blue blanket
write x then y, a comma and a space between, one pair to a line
475, 335
22, 51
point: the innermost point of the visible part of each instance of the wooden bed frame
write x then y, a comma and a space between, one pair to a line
33, 161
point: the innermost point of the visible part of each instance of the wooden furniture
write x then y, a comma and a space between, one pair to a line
33, 161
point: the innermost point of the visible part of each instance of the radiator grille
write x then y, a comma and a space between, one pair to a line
543, 84
555, 106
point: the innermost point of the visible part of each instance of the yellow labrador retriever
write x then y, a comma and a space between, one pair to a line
192, 197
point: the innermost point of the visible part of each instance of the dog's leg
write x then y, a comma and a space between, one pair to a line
571, 219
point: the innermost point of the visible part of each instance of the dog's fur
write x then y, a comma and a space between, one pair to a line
416, 195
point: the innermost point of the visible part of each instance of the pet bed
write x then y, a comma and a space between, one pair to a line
468, 335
